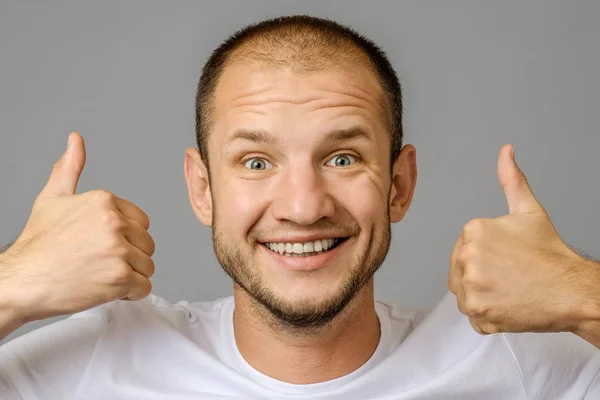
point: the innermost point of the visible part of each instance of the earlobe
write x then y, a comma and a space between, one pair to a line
404, 180
196, 176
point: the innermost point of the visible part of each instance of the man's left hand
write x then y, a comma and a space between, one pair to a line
515, 274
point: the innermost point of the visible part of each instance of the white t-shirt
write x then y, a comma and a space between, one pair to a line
154, 350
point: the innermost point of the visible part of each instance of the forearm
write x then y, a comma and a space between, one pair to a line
10, 318
587, 308
9, 322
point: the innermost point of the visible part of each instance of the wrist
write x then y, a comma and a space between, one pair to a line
585, 301
10, 316
12, 307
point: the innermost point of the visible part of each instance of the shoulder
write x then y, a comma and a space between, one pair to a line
156, 311
553, 363
548, 364
48, 358
79, 328
55, 356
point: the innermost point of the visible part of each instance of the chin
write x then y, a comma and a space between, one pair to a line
305, 307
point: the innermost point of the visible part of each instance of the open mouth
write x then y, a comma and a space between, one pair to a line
305, 249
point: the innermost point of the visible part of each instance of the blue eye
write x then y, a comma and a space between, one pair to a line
257, 164
342, 160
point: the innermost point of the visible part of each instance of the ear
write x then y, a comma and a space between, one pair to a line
196, 176
404, 181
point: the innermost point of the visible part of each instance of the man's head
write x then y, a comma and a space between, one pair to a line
300, 168
303, 44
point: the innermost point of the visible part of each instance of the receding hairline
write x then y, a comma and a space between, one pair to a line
254, 52
302, 44
287, 47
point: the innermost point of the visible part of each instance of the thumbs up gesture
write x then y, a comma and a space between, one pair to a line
76, 251
514, 273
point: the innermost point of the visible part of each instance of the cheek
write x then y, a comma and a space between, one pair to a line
239, 205
362, 197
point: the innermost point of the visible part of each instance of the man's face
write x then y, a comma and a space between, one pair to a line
300, 186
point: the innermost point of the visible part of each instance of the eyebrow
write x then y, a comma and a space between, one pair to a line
336, 135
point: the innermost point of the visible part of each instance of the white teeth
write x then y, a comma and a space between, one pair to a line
300, 248
318, 245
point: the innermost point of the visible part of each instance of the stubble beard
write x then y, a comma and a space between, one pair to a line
306, 315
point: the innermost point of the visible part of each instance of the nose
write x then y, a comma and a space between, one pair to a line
301, 196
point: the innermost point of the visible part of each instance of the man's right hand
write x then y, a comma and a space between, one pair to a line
77, 251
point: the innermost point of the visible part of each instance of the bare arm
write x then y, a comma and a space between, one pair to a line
10, 320
76, 252
4, 248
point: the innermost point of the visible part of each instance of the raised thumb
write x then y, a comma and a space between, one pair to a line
519, 195
67, 169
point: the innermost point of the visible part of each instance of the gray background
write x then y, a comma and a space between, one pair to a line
476, 75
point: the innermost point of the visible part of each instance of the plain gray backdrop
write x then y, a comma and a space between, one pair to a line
476, 75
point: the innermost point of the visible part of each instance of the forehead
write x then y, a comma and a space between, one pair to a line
255, 86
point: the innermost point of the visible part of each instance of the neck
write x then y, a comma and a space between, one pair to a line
305, 357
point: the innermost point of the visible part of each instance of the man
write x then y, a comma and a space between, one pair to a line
300, 169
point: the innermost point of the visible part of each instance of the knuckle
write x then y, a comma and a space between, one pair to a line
471, 277
475, 308
474, 227
121, 274
120, 250
520, 177
58, 164
113, 220
102, 196
467, 253
112, 243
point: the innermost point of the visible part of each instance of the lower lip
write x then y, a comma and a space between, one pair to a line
307, 263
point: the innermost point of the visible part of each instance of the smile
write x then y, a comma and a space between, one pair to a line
305, 249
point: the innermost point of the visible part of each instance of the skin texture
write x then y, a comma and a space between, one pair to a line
319, 324
77, 251
515, 274
510, 274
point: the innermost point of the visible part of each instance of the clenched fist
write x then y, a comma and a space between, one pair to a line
77, 251
515, 274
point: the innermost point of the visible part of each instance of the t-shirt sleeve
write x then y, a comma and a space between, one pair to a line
48, 363
556, 365
593, 392
7, 389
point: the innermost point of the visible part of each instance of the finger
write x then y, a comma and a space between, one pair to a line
460, 299
456, 271
519, 196
476, 326
131, 211
138, 288
140, 262
139, 237
66, 171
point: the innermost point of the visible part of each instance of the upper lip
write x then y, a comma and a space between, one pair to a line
304, 238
